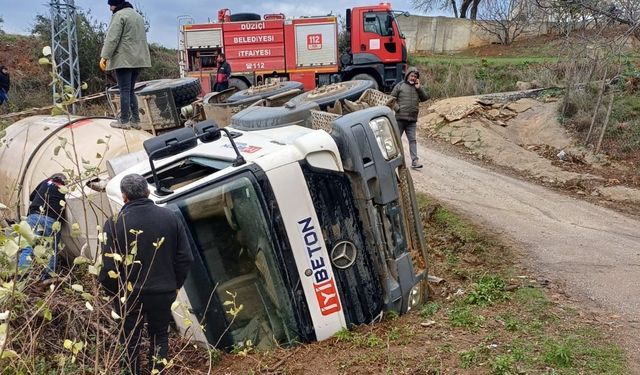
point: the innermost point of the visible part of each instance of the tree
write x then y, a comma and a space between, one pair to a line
90, 34
622, 12
465, 7
505, 19
468, 8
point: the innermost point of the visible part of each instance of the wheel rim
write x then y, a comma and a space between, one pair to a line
327, 90
257, 89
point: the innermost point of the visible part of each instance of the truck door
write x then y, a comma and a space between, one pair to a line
378, 35
238, 262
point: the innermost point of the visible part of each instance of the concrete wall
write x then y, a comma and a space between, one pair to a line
445, 34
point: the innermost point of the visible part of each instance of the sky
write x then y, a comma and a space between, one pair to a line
162, 14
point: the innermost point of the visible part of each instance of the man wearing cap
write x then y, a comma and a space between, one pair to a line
126, 51
46, 208
409, 94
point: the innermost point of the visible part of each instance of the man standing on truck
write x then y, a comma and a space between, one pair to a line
46, 208
146, 257
409, 94
223, 74
126, 51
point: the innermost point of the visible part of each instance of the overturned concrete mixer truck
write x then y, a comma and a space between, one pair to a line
308, 219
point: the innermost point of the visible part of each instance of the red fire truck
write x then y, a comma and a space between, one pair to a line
304, 49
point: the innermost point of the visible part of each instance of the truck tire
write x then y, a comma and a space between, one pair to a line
261, 118
184, 90
327, 95
238, 83
245, 17
366, 77
265, 91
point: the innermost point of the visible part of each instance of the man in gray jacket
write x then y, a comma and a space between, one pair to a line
126, 51
409, 94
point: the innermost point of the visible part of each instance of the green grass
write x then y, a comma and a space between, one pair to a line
487, 291
370, 340
511, 323
533, 299
429, 309
465, 317
469, 358
503, 364
584, 348
559, 353
485, 61
456, 226
3, 125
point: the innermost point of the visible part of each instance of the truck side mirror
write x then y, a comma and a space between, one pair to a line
207, 131
170, 143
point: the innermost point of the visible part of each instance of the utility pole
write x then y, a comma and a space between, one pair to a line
64, 42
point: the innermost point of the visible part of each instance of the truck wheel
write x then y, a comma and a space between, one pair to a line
184, 90
366, 77
238, 83
264, 91
327, 95
245, 17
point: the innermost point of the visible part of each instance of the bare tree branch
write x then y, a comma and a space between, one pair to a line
466, 7
505, 19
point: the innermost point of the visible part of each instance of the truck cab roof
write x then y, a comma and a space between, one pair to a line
208, 162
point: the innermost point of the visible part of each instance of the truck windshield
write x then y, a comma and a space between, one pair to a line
380, 23
228, 224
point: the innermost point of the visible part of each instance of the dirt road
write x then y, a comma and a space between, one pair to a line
594, 251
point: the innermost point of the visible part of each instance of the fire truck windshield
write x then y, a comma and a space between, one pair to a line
229, 226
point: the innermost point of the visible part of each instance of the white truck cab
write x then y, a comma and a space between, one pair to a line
311, 227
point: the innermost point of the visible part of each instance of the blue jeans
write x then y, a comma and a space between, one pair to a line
42, 226
128, 101
4, 96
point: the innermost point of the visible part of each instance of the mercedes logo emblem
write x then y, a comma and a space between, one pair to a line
343, 255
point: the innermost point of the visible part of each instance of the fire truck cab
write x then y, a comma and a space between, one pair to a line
305, 49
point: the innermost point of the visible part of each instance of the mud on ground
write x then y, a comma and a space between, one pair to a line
525, 136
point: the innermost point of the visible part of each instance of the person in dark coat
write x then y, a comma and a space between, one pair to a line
126, 52
409, 94
223, 74
46, 208
149, 273
5, 84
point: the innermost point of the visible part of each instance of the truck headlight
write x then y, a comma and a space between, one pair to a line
383, 132
416, 295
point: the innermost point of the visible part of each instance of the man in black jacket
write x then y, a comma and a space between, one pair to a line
146, 257
46, 208
409, 94
5, 84
223, 74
